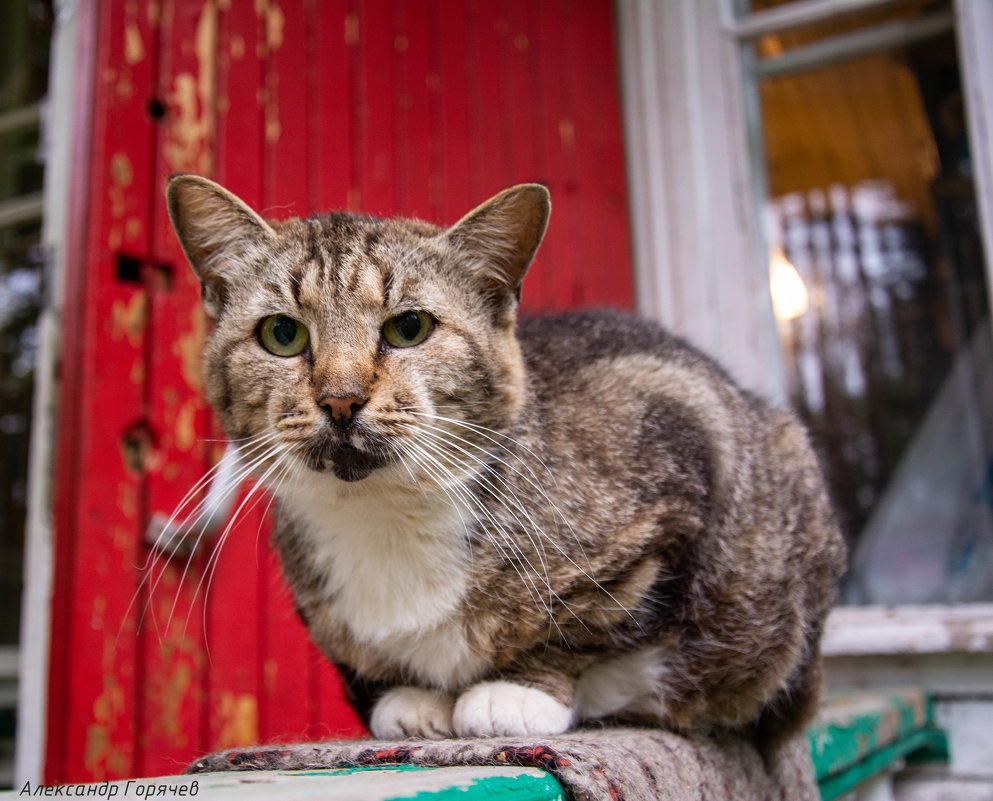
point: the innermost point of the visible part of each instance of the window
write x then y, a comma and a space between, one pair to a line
24, 31
879, 282
25, 27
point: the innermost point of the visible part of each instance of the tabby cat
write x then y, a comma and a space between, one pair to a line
503, 527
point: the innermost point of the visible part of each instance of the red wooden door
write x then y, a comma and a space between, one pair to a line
395, 106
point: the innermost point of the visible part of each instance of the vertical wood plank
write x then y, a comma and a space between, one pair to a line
607, 270
171, 638
549, 283
413, 90
374, 110
67, 179
333, 78
284, 704
487, 108
519, 54
451, 53
233, 573
689, 160
99, 534
59, 761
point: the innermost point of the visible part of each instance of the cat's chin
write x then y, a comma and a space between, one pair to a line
346, 462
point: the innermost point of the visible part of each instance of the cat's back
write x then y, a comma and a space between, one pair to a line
621, 370
642, 404
559, 346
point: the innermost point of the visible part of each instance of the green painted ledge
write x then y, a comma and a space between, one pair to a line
399, 783
861, 733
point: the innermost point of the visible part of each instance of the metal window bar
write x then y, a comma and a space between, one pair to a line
20, 118
23, 208
838, 48
751, 25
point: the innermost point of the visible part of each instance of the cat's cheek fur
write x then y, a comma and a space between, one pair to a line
412, 712
502, 708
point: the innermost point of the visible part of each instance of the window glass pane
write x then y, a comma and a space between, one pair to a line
879, 285
25, 28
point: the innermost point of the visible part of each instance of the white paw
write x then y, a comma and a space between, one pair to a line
412, 712
503, 708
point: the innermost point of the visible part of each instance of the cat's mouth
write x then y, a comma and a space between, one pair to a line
346, 461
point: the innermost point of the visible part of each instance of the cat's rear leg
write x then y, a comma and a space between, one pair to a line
796, 702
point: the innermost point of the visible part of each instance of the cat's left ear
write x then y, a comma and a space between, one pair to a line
211, 222
503, 235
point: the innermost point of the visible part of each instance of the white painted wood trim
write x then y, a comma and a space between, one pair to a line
909, 629
39, 554
975, 31
701, 265
796, 14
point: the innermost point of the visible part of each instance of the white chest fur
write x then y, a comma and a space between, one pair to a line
397, 571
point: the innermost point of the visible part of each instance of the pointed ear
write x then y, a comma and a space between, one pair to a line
210, 221
503, 234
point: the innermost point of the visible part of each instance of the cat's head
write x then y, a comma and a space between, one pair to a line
354, 346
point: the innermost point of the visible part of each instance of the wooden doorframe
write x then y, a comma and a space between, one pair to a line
976, 63
66, 130
700, 260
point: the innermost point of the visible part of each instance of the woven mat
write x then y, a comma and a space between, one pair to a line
610, 764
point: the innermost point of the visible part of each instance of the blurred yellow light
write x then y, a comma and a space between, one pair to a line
789, 294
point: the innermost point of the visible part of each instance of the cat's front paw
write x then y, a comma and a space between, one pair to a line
412, 712
502, 708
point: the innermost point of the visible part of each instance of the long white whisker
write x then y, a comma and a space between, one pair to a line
533, 481
160, 549
472, 503
505, 501
211, 567
212, 561
496, 491
408, 452
250, 449
488, 433
500, 529
203, 518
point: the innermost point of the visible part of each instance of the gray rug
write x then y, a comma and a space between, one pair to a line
610, 764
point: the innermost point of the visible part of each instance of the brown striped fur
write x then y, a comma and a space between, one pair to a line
567, 505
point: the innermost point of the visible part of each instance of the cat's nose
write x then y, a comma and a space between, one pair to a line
342, 408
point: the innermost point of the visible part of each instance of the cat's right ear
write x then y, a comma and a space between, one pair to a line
502, 236
211, 222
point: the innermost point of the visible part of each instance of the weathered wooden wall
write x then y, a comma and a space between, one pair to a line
394, 106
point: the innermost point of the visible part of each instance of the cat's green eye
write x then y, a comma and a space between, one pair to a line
283, 336
408, 329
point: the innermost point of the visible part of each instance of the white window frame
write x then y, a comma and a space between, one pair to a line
697, 188
697, 185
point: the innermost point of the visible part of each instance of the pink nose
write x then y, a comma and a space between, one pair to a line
342, 407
